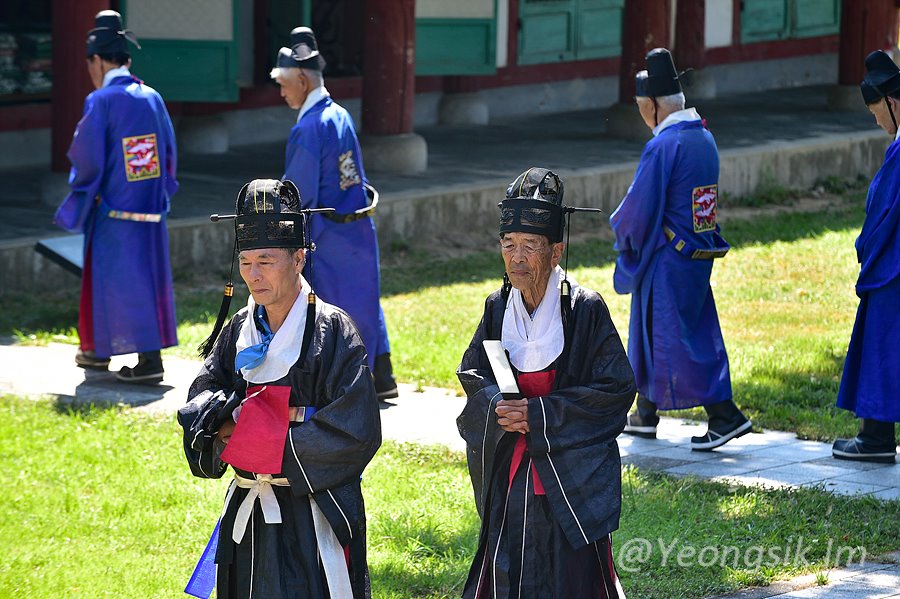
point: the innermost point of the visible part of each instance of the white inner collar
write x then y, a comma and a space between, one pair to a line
313, 98
284, 349
111, 74
679, 116
534, 341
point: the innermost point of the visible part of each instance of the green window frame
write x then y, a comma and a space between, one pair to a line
768, 20
190, 70
564, 30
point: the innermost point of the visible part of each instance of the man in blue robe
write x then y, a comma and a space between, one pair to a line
324, 158
123, 175
667, 237
870, 384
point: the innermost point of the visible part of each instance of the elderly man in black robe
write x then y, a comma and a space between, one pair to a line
545, 468
287, 399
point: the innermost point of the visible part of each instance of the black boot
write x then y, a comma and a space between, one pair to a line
874, 443
725, 422
385, 385
149, 370
643, 421
89, 360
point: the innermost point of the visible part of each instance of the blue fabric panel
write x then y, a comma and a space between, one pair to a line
124, 152
675, 343
323, 158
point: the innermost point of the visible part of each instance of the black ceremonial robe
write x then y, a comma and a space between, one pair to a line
572, 447
324, 458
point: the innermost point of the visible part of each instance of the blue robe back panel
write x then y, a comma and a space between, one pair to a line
323, 159
870, 383
124, 152
675, 342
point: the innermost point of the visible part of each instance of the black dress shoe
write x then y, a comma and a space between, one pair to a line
149, 370
90, 361
718, 435
858, 451
634, 425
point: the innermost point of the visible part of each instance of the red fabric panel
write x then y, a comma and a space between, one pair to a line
257, 443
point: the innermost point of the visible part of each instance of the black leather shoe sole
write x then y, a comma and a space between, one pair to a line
852, 450
712, 439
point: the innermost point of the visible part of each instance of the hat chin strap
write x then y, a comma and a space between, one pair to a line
891, 112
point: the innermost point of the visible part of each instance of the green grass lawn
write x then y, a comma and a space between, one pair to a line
100, 503
784, 293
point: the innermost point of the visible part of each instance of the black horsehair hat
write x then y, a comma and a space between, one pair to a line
882, 73
870, 94
534, 205
303, 53
660, 78
267, 215
109, 35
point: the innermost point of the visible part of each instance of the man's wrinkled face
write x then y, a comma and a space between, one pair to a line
529, 258
882, 117
294, 87
272, 275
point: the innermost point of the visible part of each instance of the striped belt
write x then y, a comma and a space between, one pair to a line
140, 217
683, 247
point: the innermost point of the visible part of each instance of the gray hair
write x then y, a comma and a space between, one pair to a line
671, 103
315, 77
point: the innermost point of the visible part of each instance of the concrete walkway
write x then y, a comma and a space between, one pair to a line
770, 458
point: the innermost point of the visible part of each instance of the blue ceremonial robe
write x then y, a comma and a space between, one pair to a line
675, 344
324, 160
123, 168
870, 384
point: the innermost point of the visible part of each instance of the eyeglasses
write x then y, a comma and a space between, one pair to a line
530, 248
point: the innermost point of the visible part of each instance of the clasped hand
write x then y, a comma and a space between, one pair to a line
512, 415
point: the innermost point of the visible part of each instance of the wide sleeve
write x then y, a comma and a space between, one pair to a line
878, 244
334, 447
204, 413
303, 164
87, 155
477, 424
637, 222
593, 411
573, 429
171, 148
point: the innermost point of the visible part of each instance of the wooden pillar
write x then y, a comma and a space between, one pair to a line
645, 25
690, 34
865, 26
389, 61
72, 19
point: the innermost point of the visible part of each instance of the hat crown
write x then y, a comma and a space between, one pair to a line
660, 63
660, 77
263, 196
882, 73
879, 62
303, 35
537, 184
108, 19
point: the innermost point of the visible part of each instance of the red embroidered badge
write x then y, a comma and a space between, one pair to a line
141, 157
703, 200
